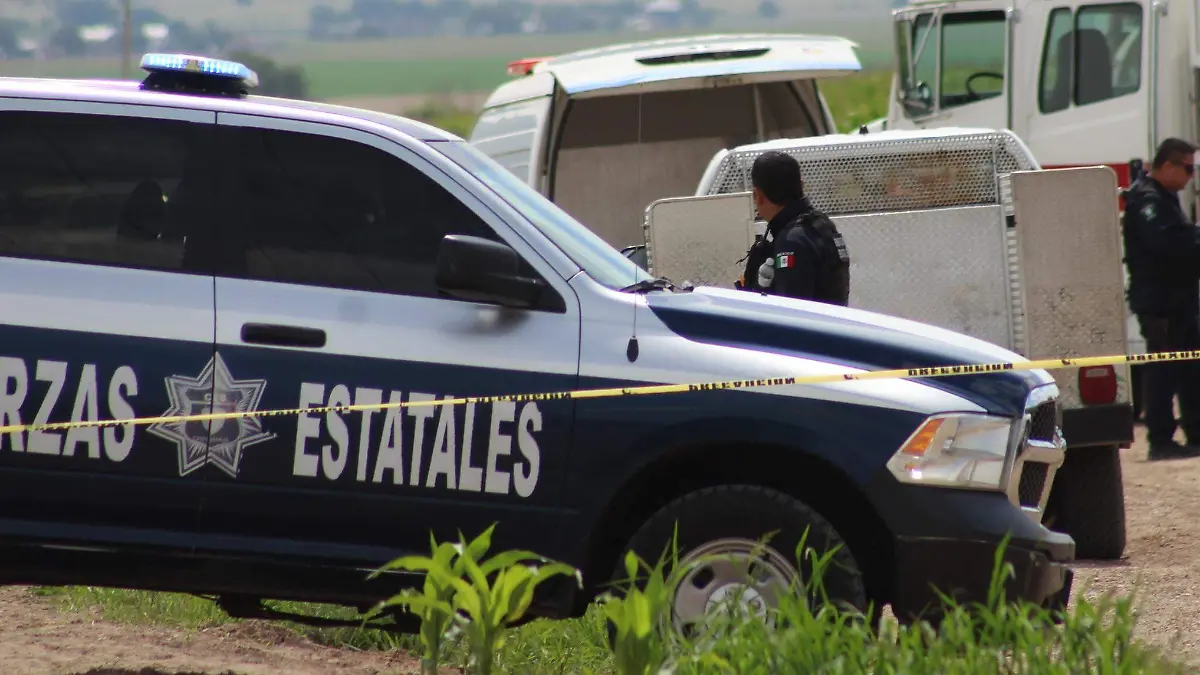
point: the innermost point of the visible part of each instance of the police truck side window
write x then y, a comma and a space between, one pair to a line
95, 188
331, 212
972, 57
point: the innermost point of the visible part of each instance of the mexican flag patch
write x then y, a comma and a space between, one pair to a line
784, 261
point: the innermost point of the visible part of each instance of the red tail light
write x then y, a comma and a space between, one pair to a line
1098, 385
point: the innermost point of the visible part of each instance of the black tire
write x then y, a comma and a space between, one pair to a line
1088, 502
751, 512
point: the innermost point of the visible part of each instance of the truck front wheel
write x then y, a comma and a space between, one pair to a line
1087, 502
727, 525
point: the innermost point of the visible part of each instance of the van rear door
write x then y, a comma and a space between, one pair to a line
643, 121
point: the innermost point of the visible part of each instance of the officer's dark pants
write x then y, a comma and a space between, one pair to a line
1163, 381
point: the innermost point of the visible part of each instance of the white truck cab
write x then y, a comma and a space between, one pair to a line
962, 229
1081, 82
603, 132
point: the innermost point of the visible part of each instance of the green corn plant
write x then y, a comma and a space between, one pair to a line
492, 606
433, 603
639, 616
635, 617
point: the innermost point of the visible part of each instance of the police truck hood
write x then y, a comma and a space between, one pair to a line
849, 337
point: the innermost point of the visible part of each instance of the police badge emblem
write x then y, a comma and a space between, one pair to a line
219, 442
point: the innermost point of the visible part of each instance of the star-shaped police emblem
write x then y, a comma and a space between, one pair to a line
219, 442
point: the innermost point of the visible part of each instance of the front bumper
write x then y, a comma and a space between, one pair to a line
962, 570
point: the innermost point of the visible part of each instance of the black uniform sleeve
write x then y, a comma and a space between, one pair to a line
795, 266
1163, 233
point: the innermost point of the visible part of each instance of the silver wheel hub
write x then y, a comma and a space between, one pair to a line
725, 574
743, 594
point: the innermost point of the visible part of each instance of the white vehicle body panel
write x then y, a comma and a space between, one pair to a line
1071, 276
938, 233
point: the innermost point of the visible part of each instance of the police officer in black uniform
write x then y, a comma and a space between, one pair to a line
1162, 253
805, 256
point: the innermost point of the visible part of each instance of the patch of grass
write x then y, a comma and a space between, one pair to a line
874, 40
576, 645
446, 116
432, 65
472, 603
854, 101
858, 99
340, 79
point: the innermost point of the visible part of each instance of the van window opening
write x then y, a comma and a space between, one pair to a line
605, 141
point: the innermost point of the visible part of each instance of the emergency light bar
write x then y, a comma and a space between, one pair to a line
187, 74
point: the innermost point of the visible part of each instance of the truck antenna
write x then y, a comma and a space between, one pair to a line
632, 350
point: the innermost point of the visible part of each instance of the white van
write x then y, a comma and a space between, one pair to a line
604, 132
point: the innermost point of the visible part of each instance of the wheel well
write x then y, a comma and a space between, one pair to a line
805, 477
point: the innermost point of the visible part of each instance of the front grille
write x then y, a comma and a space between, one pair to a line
1043, 422
1033, 482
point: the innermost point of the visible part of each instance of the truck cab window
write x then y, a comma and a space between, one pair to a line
1091, 57
1108, 52
1054, 87
973, 56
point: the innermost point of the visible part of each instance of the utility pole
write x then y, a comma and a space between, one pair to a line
126, 39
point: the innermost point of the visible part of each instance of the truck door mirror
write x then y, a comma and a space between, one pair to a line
480, 270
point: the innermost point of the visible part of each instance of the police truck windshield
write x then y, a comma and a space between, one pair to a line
602, 262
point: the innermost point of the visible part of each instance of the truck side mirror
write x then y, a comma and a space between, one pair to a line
481, 270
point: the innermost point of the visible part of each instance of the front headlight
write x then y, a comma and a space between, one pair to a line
958, 450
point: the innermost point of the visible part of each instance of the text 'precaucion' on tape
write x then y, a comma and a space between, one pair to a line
644, 390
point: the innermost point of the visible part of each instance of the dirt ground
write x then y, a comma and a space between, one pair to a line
1162, 558
1163, 503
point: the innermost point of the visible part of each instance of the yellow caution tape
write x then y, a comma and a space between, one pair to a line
903, 373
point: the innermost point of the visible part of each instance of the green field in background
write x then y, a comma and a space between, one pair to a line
290, 18
410, 65
434, 66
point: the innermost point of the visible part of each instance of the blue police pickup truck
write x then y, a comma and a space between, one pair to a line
177, 245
